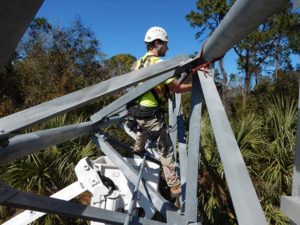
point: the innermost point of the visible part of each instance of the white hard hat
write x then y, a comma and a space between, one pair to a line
155, 33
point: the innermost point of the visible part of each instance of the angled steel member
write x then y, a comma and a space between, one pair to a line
31, 201
161, 204
15, 17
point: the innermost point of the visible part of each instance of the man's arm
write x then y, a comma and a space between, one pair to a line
176, 87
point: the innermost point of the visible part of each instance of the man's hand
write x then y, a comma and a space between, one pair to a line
176, 87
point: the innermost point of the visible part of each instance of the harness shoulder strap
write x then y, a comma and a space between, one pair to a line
155, 95
142, 61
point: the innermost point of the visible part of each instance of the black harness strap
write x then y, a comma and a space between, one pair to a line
136, 110
142, 63
155, 95
157, 98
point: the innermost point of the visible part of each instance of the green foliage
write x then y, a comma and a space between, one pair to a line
214, 200
51, 62
280, 123
120, 64
50, 170
248, 132
208, 16
275, 216
265, 50
284, 83
267, 143
280, 117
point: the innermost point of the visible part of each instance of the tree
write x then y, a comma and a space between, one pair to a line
207, 18
267, 47
10, 93
120, 64
51, 62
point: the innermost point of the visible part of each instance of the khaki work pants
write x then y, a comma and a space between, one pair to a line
155, 129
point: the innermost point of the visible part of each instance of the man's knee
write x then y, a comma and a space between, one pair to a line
138, 148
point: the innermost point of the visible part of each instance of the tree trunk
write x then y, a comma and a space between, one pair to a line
247, 87
224, 89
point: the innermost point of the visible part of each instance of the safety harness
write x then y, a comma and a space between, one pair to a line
142, 112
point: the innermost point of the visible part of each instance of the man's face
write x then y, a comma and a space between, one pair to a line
162, 48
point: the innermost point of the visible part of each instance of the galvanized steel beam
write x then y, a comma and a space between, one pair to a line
182, 147
135, 193
243, 17
28, 216
31, 201
25, 144
174, 218
15, 17
155, 198
174, 112
246, 203
291, 207
172, 123
84, 96
191, 198
131, 95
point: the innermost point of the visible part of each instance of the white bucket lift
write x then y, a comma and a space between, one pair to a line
109, 188
119, 199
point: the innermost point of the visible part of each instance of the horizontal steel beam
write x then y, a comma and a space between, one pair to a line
243, 17
29, 216
31, 201
25, 144
84, 96
131, 95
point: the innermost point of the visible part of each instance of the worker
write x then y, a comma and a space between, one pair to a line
149, 114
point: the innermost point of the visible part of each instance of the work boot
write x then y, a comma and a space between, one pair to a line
176, 202
175, 191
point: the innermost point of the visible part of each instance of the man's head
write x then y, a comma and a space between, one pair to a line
156, 40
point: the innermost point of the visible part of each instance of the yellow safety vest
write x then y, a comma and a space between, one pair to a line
148, 99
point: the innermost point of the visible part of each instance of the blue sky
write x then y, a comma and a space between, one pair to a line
120, 25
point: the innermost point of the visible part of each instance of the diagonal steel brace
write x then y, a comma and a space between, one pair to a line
158, 201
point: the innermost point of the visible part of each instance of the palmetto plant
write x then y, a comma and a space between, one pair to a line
277, 156
267, 144
215, 205
52, 169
